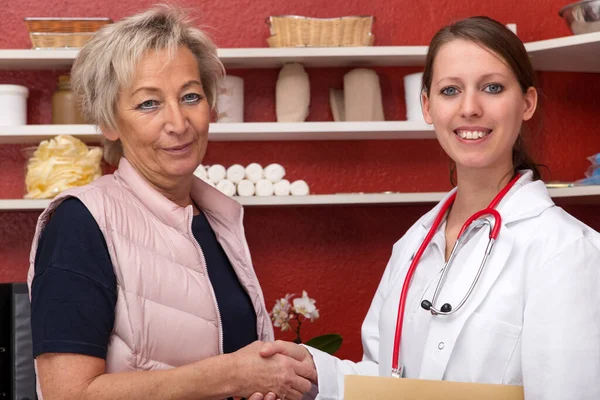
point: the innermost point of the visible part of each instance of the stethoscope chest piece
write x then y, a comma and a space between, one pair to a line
476, 221
426, 305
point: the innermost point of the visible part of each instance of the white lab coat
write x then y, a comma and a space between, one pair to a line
532, 320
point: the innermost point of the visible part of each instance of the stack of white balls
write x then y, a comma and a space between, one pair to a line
253, 180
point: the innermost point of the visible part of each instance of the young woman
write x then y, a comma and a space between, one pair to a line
530, 316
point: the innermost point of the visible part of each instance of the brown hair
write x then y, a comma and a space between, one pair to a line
502, 41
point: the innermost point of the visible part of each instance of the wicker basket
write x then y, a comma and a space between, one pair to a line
63, 32
297, 31
65, 25
59, 40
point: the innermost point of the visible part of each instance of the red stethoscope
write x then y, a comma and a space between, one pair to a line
476, 221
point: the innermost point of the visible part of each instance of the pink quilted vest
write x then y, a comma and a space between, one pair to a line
166, 312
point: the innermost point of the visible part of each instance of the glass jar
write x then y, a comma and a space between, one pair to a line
64, 106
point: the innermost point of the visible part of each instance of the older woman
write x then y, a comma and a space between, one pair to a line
141, 283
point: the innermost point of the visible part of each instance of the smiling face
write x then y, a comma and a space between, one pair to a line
476, 105
163, 117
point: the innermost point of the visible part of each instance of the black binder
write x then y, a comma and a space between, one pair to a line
17, 374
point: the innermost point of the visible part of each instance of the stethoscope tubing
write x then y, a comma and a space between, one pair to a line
493, 236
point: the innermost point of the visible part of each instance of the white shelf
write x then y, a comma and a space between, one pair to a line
23, 205
266, 131
577, 53
261, 57
589, 195
251, 131
33, 134
342, 199
311, 57
37, 59
577, 195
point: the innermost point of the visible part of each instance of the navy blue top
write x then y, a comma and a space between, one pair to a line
74, 288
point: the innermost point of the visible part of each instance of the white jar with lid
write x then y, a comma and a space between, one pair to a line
13, 105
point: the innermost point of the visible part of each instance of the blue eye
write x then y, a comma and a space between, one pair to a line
147, 105
191, 98
449, 91
494, 88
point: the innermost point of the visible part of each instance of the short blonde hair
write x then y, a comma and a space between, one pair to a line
106, 63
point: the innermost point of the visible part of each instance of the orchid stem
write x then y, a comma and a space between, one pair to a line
299, 323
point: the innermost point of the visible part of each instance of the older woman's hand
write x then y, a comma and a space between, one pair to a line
292, 350
280, 374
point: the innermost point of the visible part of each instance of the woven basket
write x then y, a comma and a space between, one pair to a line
63, 32
59, 40
65, 25
297, 31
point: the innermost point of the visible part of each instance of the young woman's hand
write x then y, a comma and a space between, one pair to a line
272, 372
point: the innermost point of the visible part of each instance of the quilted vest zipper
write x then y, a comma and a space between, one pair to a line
268, 325
212, 292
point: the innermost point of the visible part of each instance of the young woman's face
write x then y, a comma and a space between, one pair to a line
476, 105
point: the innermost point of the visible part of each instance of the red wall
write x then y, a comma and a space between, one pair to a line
336, 253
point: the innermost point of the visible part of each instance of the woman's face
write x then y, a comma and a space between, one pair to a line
163, 117
476, 105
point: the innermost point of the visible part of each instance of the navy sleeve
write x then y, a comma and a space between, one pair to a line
73, 293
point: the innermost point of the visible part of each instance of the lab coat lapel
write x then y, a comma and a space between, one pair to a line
411, 247
445, 330
417, 236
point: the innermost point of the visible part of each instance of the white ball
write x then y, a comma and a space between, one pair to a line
245, 188
254, 172
217, 173
236, 173
299, 188
264, 187
226, 187
274, 172
200, 172
282, 188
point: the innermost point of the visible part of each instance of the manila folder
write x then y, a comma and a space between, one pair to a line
387, 388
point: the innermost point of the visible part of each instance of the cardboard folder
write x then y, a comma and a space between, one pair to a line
383, 388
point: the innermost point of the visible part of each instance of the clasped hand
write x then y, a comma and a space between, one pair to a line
274, 370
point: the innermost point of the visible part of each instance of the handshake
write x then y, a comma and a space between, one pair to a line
273, 371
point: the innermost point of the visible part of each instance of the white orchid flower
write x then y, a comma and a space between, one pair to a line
306, 307
281, 313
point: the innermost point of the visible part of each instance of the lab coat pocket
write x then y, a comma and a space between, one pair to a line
484, 350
